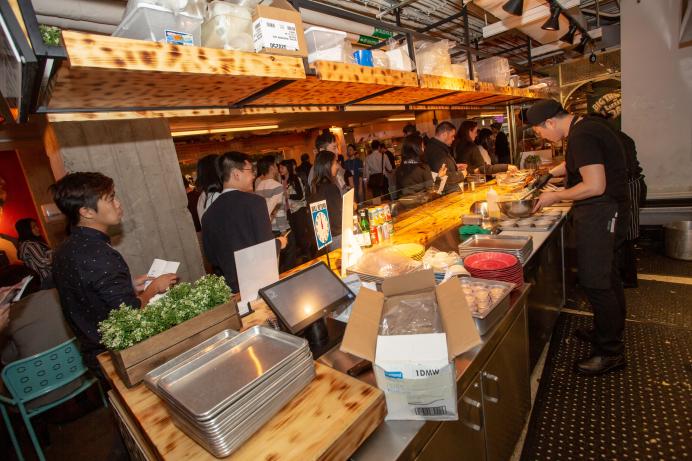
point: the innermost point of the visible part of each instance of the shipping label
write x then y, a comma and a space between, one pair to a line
274, 34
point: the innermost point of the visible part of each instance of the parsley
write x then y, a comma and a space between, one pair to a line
127, 326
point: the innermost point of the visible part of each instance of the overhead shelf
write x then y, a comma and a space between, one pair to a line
115, 78
107, 73
337, 83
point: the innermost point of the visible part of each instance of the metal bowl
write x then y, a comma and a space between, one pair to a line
518, 208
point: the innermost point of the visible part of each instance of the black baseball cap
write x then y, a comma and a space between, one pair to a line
542, 111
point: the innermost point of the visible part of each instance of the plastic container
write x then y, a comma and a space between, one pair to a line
326, 44
158, 24
192, 7
228, 26
363, 58
494, 70
432, 58
491, 198
460, 71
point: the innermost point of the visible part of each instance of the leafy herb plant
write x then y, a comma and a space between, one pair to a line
127, 326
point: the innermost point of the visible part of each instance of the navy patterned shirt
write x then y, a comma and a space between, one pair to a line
92, 279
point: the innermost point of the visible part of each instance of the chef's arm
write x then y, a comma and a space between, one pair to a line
559, 170
593, 184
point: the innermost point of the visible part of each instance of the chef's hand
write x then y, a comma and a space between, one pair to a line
512, 169
546, 199
443, 171
283, 241
138, 282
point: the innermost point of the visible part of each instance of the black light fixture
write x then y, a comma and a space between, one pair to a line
582, 44
515, 7
553, 22
569, 36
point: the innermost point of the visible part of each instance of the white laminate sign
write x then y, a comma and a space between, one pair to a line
257, 267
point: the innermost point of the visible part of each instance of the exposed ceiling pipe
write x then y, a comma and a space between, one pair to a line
600, 13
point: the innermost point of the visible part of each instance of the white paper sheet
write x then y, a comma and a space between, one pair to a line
257, 267
160, 267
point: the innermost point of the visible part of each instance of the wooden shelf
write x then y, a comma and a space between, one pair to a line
338, 84
106, 73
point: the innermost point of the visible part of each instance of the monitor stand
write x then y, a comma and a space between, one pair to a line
323, 335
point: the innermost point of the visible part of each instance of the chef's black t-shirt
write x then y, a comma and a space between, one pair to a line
592, 141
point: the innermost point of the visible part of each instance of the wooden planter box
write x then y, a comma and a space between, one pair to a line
136, 361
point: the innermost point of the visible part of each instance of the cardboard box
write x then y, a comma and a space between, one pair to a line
416, 372
277, 28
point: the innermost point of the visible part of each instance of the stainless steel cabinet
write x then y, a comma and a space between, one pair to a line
506, 392
462, 439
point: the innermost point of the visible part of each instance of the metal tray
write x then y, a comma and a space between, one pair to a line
498, 243
488, 319
151, 379
249, 402
208, 382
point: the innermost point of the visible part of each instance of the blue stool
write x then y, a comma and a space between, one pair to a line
35, 376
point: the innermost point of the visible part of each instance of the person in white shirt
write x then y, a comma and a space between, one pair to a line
207, 182
377, 171
268, 187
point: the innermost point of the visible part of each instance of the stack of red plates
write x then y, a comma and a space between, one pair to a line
495, 266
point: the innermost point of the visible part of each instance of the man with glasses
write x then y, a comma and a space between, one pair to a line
596, 170
237, 219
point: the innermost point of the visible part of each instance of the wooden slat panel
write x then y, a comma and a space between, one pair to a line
91, 116
406, 95
315, 91
112, 73
459, 98
353, 73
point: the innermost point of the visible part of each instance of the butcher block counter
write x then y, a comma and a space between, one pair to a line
329, 419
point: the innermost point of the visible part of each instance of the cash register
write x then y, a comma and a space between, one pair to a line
304, 302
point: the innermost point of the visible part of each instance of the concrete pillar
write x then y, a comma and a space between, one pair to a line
140, 157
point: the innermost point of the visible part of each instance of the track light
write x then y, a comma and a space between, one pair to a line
553, 22
569, 36
515, 7
582, 44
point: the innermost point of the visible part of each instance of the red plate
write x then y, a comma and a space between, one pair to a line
490, 261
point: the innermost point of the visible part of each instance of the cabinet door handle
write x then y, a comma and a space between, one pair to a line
472, 413
491, 387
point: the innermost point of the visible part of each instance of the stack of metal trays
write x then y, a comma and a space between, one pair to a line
222, 391
519, 246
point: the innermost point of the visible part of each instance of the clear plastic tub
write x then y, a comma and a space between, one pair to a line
494, 70
150, 22
326, 44
228, 26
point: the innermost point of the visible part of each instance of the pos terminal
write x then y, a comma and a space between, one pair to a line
304, 301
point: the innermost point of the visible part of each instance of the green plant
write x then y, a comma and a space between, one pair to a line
50, 35
532, 161
127, 326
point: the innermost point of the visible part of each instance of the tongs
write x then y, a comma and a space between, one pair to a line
535, 188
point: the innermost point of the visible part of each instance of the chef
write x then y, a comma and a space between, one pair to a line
595, 168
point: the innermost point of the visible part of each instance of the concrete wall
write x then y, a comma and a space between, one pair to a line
140, 157
657, 94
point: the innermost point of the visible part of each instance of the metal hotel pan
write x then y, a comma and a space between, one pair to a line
498, 243
223, 446
254, 398
151, 379
263, 410
241, 361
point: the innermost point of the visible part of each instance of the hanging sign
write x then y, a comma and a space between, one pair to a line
320, 223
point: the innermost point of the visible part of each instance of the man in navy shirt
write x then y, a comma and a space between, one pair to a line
91, 276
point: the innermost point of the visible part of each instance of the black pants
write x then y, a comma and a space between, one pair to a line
300, 225
287, 257
627, 263
600, 231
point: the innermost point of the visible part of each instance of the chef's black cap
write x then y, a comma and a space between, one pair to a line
542, 111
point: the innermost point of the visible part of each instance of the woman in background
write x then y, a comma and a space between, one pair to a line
208, 183
298, 218
324, 187
33, 250
413, 175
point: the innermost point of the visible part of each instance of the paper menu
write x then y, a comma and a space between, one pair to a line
16, 291
160, 267
257, 266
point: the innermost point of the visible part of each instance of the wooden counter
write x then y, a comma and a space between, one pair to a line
331, 417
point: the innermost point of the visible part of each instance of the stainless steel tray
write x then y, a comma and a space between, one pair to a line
207, 383
251, 400
151, 379
498, 243
488, 319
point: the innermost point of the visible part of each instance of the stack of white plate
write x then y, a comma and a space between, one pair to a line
222, 391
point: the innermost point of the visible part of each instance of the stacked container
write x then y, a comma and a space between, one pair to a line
228, 25
157, 21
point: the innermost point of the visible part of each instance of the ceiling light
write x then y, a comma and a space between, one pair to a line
410, 118
515, 7
569, 36
188, 133
553, 22
243, 128
582, 45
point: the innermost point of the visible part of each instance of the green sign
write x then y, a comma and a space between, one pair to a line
381, 33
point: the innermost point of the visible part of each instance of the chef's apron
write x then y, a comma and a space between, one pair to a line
595, 225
